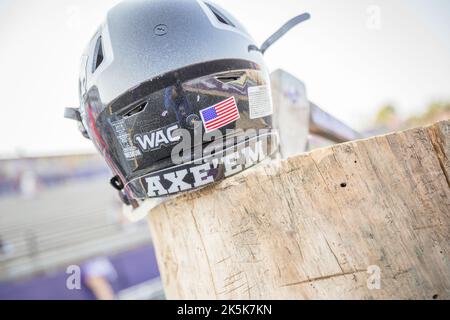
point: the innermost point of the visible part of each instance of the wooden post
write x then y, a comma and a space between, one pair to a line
361, 220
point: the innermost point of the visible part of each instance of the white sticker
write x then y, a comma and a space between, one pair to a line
260, 102
130, 151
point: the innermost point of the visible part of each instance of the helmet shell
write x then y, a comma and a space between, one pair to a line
134, 51
158, 66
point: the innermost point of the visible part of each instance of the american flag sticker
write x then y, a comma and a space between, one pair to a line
219, 115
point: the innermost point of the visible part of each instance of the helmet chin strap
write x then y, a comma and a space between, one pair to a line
281, 32
74, 114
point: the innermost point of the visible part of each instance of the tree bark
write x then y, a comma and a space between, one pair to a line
323, 225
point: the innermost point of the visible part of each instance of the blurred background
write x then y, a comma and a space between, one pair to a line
377, 66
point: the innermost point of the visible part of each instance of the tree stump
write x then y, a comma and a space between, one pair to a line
368, 219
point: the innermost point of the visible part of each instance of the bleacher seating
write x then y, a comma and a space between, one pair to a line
62, 225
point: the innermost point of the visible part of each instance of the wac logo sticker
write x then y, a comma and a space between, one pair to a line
155, 139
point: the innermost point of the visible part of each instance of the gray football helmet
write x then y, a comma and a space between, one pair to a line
159, 72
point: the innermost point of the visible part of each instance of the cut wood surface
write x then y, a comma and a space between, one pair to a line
323, 225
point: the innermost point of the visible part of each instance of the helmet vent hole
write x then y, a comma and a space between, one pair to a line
219, 16
230, 77
98, 54
139, 108
227, 79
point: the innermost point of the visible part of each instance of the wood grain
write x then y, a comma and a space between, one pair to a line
315, 225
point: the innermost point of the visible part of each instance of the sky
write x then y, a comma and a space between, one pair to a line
353, 55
